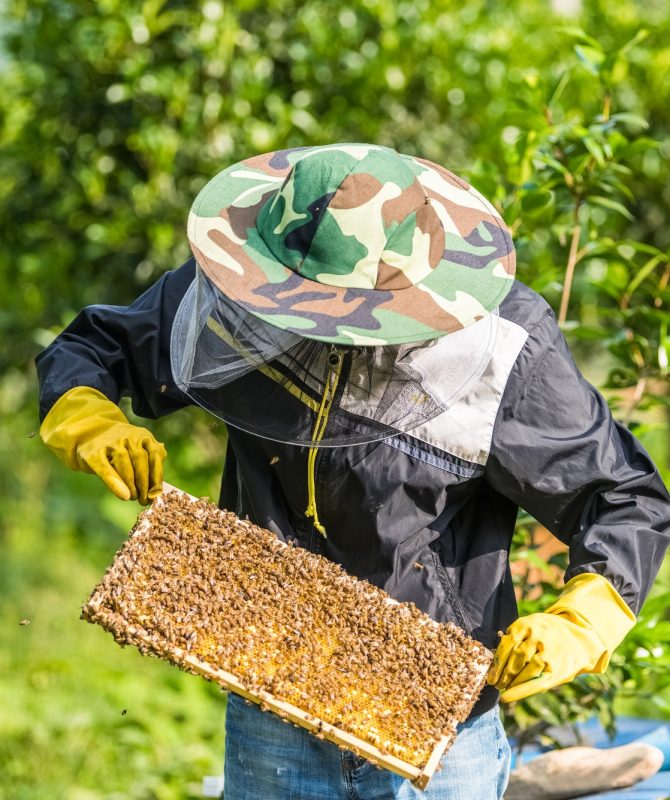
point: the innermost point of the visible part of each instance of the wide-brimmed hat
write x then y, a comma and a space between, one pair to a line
352, 244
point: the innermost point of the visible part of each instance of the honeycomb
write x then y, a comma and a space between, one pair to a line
290, 629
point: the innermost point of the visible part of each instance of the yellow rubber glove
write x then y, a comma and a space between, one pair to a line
577, 634
89, 433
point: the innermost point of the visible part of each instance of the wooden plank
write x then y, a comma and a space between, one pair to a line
310, 723
433, 762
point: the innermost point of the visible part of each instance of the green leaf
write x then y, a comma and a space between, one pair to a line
640, 36
631, 120
590, 57
653, 606
611, 183
532, 558
536, 201
581, 35
590, 333
640, 247
595, 149
562, 83
544, 158
644, 272
612, 205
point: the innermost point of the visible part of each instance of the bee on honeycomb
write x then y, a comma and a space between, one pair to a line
220, 596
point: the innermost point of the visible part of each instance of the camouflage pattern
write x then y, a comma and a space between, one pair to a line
353, 244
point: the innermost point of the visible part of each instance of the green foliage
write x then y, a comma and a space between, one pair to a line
570, 184
114, 113
82, 719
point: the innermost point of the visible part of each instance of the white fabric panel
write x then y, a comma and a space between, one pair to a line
466, 428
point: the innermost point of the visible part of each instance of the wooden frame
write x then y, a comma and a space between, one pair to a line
420, 776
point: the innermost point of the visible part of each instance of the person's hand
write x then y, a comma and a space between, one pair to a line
90, 433
577, 634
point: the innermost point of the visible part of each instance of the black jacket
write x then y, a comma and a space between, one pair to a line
532, 433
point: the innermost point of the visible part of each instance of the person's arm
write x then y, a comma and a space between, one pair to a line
558, 453
120, 350
106, 353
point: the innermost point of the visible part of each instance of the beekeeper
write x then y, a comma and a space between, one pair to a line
393, 396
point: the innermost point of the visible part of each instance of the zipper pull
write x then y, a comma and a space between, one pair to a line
334, 357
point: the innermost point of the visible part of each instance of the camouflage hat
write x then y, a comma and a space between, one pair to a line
352, 243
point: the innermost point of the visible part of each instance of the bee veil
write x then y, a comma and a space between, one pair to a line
286, 387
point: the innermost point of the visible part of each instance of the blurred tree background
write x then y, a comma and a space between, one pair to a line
113, 114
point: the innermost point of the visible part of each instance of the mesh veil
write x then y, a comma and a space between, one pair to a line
271, 383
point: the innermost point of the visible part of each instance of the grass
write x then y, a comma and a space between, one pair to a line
81, 718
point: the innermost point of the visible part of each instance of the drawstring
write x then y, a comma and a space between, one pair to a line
332, 379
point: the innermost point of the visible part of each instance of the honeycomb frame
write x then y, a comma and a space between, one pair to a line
148, 572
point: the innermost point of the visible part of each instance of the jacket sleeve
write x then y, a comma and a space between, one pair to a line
121, 351
557, 452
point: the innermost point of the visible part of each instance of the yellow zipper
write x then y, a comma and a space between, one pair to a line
332, 380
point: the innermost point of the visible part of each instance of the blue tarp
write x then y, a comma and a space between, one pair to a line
629, 729
655, 788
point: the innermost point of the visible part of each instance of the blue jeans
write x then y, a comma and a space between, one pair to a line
267, 759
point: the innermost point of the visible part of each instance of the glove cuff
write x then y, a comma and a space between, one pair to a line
590, 600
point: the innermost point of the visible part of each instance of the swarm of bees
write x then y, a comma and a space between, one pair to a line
194, 580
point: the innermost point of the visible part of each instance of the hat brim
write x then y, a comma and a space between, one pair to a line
462, 288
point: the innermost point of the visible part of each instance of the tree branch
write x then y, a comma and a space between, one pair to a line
570, 268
